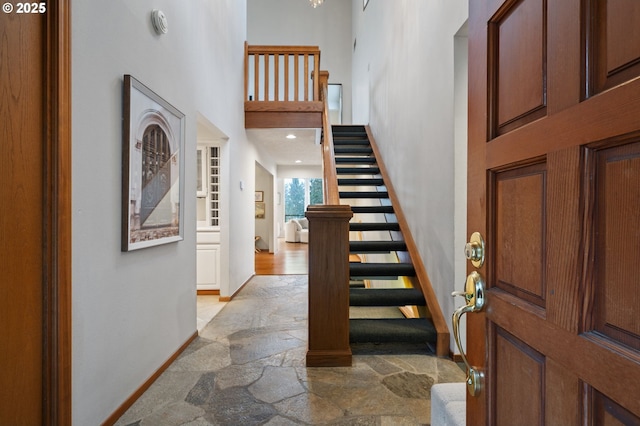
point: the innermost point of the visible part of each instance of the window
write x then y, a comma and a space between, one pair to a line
298, 194
214, 185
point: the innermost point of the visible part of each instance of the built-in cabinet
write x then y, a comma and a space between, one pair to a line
208, 259
208, 207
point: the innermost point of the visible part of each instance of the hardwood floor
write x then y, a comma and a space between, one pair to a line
290, 259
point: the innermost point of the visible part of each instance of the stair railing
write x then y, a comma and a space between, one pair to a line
328, 316
281, 73
330, 176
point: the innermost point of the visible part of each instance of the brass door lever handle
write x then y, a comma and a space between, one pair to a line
474, 297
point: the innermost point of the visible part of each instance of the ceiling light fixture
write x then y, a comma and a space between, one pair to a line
298, 161
291, 136
316, 3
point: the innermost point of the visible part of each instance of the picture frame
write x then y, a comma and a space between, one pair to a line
153, 137
259, 196
260, 210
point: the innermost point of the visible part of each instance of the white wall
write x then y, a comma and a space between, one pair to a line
406, 48
295, 22
306, 172
461, 80
132, 311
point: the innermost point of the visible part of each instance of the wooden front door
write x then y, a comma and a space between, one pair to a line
35, 214
554, 188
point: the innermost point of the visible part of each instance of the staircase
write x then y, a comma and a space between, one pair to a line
386, 301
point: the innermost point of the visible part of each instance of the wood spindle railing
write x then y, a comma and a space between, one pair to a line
286, 76
263, 63
281, 87
328, 317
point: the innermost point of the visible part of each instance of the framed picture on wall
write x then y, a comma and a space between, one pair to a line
152, 169
259, 196
260, 209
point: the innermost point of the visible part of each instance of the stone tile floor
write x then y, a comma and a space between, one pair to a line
207, 308
247, 368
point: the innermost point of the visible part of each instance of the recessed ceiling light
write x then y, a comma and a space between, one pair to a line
298, 161
291, 136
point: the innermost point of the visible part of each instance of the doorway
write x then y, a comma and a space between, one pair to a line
211, 234
264, 211
293, 195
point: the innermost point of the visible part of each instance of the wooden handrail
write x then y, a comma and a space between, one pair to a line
330, 176
268, 80
439, 321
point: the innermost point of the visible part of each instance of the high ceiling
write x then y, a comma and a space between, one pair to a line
304, 150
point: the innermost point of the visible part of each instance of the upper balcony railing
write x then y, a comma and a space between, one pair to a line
282, 73
282, 86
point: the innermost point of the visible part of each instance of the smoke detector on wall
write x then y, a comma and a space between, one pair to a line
159, 21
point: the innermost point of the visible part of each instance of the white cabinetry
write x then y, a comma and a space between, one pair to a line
208, 259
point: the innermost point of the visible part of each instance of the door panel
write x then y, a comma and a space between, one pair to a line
613, 42
608, 413
554, 186
518, 222
517, 37
563, 393
617, 197
519, 379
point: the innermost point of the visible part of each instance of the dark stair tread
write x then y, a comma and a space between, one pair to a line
352, 136
348, 128
374, 226
357, 170
392, 330
363, 194
381, 269
352, 150
376, 246
361, 182
355, 160
386, 297
349, 133
372, 209
348, 141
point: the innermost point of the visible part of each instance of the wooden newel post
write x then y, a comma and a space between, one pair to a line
328, 286
322, 81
